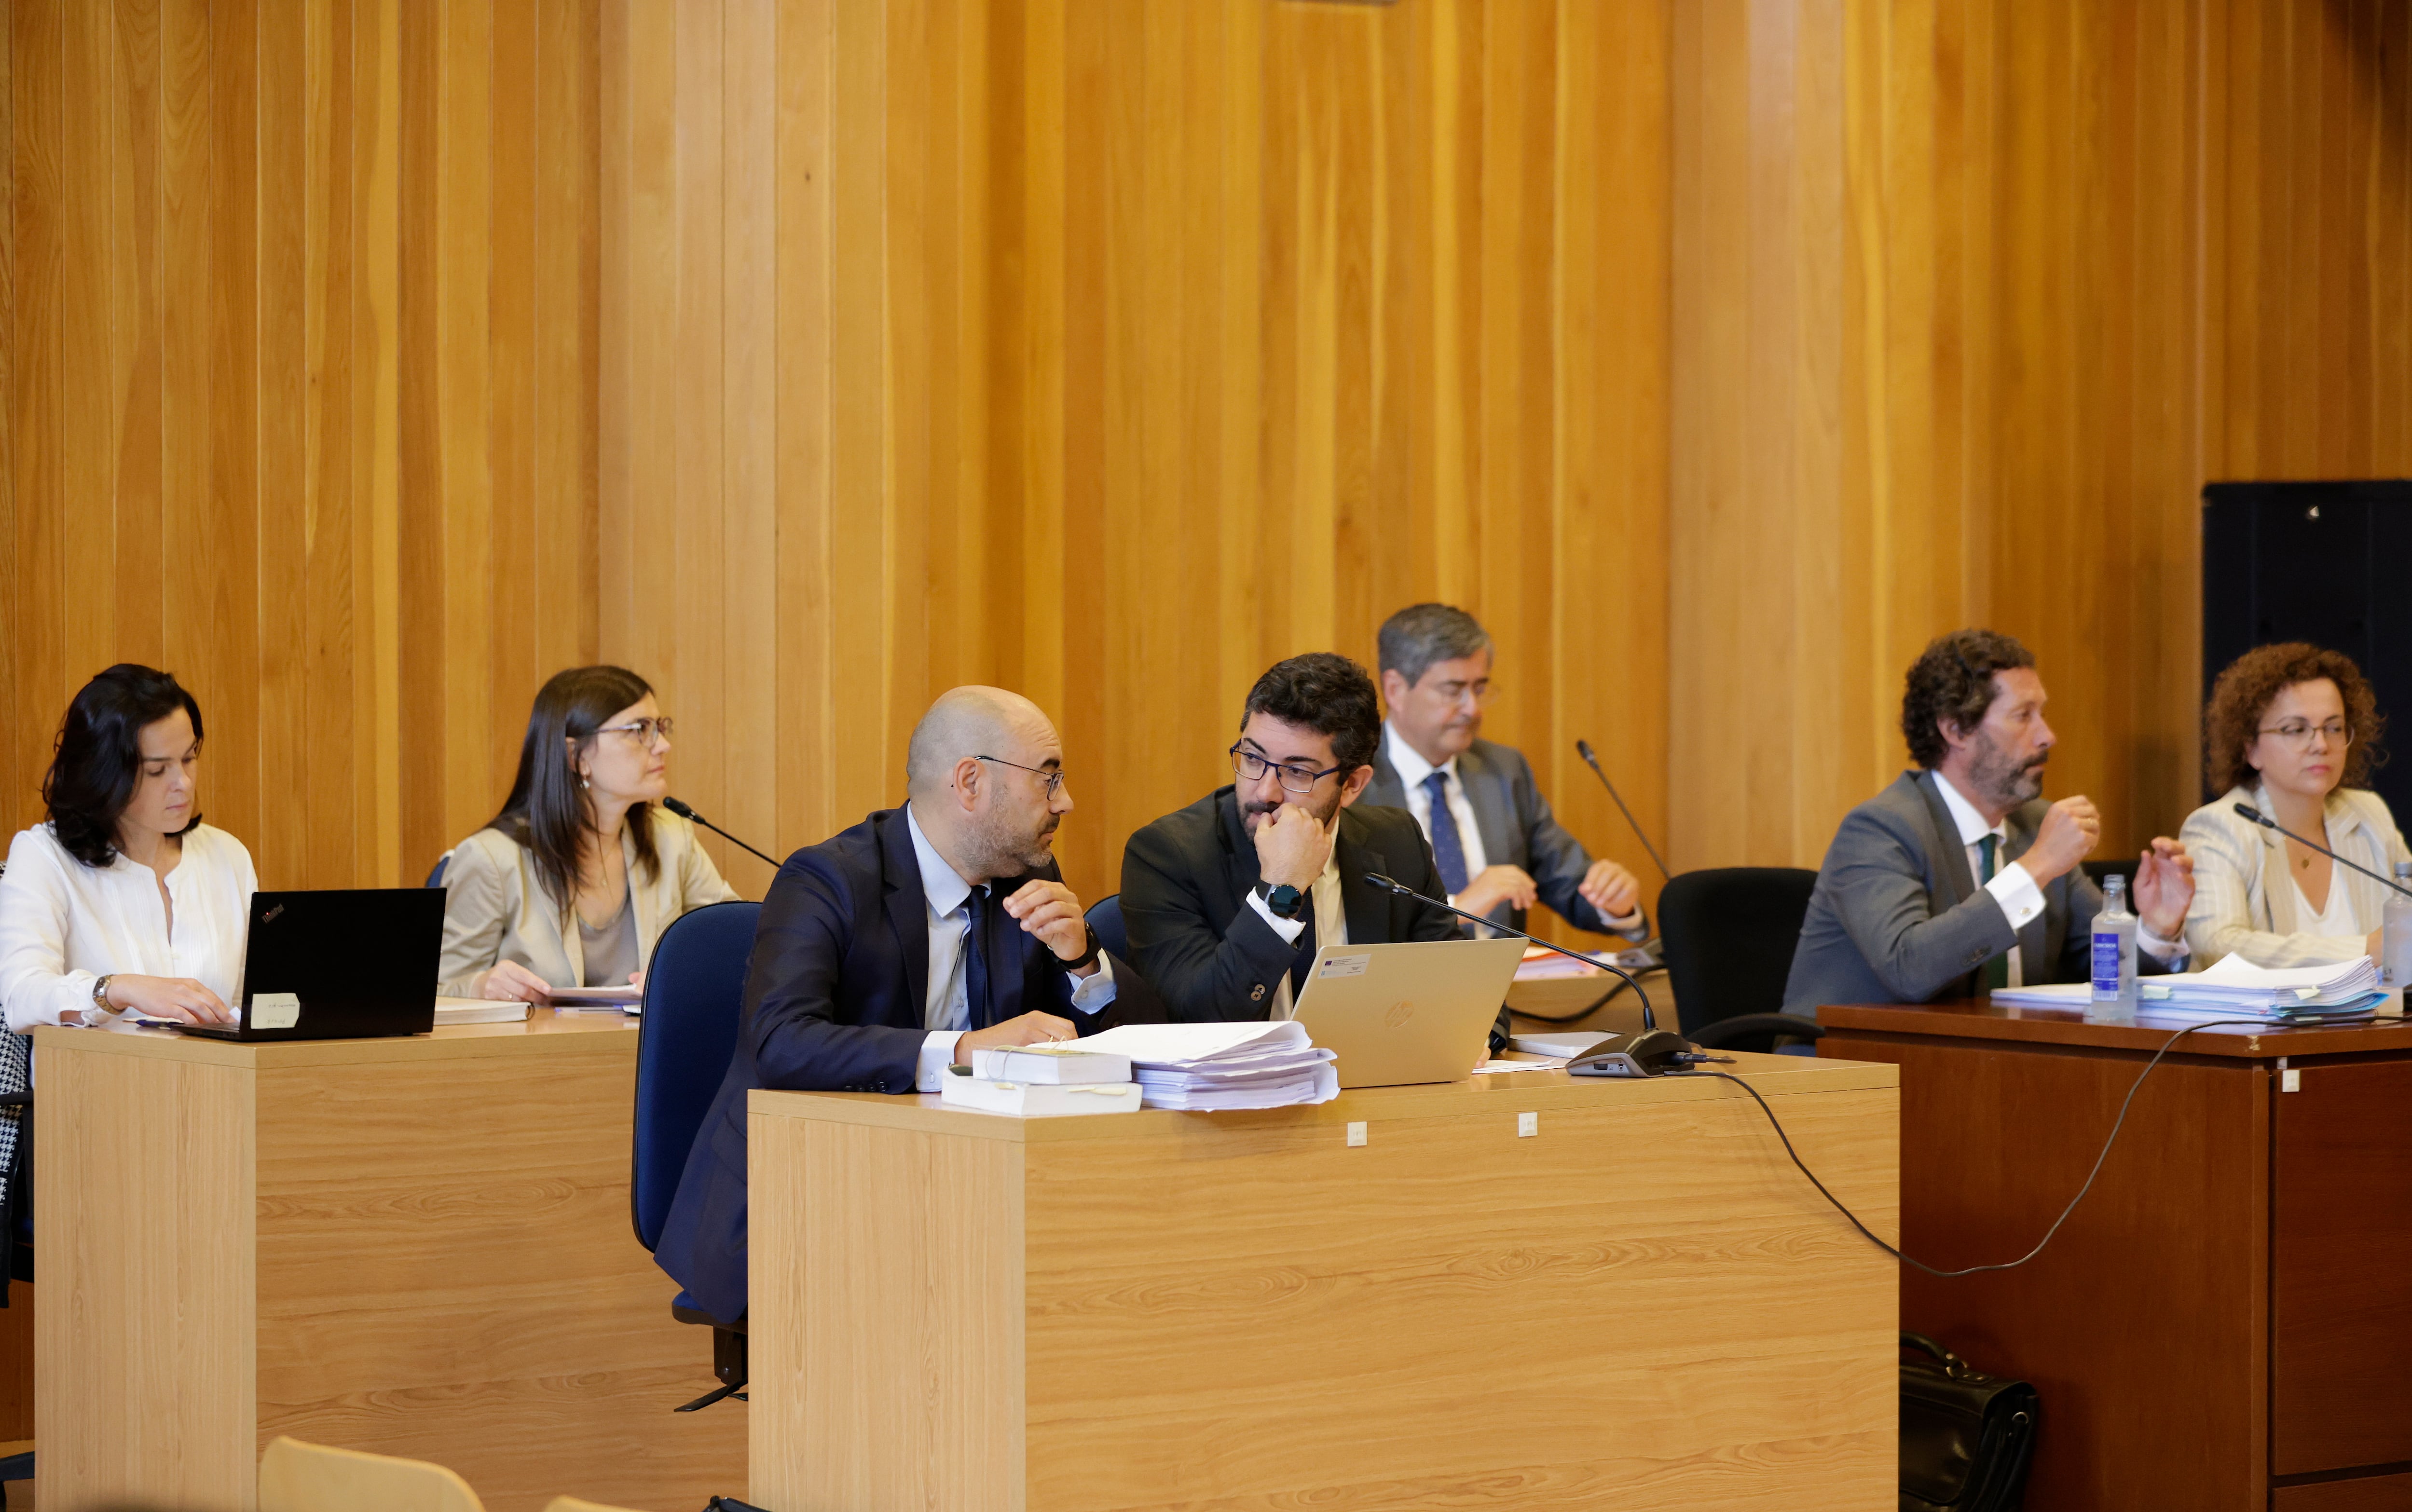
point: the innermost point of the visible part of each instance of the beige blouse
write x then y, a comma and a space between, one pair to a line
496, 908
2244, 903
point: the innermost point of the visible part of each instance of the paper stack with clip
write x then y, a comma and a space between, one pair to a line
1211, 1067
2235, 986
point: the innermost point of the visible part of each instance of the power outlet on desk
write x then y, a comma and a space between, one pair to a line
1527, 1125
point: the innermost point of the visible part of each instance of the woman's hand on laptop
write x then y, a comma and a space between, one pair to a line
515, 983
180, 998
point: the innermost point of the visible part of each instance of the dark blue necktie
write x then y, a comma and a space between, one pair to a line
976, 1005
1448, 850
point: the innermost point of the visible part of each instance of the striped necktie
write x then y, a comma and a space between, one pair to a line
1997, 971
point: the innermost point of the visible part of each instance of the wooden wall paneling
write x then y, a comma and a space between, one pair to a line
36, 581
129, 99
325, 789
522, 565
213, 604
1609, 622
804, 268
750, 611
13, 597
281, 840
88, 399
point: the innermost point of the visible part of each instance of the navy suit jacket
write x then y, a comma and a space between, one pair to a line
1186, 879
834, 1000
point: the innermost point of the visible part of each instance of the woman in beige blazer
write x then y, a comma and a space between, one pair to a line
2290, 731
572, 882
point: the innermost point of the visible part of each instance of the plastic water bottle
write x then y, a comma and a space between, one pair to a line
2395, 944
2114, 945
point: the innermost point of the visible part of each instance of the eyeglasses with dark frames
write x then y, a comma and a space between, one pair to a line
1251, 768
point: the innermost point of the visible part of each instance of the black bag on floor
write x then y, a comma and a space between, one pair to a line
1966, 1438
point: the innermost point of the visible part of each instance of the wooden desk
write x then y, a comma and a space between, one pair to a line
413, 1246
2224, 1324
1643, 1306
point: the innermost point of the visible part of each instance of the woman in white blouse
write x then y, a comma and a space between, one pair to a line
2290, 731
123, 900
571, 884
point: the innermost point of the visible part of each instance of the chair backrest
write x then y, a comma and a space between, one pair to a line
295, 1476
436, 877
1728, 935
695, 985
1106, 917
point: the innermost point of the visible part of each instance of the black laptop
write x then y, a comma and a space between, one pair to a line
357, 965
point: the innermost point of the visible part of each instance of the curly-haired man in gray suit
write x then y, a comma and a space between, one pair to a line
1959, 878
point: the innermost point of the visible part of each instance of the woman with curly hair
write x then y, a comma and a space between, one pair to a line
2292, 730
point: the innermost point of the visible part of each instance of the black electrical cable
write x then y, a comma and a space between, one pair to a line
2006, 1264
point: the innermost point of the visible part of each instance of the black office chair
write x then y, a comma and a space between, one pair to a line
1106, 917
1729, 933
694, 993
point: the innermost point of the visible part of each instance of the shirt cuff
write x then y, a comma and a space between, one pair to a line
1628, 926
1094, 992
2168, 952
1288, 929
938, 1054
2017, 892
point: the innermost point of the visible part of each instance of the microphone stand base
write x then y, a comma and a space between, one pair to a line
1651, 1053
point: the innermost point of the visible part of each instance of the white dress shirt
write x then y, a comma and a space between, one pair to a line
64, 925
1413, 772
946, 1012
1330, 925
2014, 886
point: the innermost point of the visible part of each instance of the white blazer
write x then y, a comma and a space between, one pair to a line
64, 925
495, 907
2243, 903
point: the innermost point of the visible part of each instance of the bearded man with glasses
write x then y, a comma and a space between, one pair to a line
1228, 900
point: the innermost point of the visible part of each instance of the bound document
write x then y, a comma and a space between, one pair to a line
1051, 1065
1035, 1099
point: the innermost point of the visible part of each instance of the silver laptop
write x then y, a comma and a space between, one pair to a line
1395, 1014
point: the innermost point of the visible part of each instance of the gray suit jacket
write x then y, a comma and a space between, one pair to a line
1896, 917
1517, 829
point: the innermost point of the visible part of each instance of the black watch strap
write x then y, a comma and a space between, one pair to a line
1095, 949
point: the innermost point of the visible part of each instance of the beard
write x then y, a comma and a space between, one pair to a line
1011, 844
2003, 778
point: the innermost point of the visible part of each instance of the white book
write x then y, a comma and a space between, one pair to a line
1037, 1099
1052, 1064
479, 1011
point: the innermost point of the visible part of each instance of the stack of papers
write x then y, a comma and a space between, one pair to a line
1211, 1067
2233, 988
479, 1011
1035, 1099
2235, 984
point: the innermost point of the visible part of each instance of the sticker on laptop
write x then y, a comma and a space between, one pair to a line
1343, 966
275, 1010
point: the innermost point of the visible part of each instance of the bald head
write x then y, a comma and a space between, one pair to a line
972, 721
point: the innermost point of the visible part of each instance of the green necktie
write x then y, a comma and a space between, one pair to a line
1997, 971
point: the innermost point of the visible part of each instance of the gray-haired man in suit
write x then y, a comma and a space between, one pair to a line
1959, 877
1498, 847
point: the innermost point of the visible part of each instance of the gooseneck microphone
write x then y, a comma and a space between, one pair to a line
1583, 748
1652, 1052
2249, 811
693, 818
